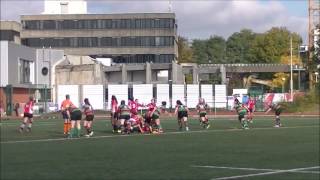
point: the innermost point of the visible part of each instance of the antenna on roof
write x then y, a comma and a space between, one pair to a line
170, 6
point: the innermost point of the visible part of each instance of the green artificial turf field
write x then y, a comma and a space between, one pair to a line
222, 152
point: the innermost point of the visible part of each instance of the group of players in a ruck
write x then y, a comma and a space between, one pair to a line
129, 118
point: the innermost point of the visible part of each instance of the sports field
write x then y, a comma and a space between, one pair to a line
222, 152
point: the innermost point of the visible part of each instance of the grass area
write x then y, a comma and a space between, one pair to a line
172, 155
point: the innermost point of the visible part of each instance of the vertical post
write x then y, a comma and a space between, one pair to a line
124, 74
199, 84
223, 74
195, 75
49, 87
299, 79
283, 81
291, 76
45, 98
170, 95
148, 73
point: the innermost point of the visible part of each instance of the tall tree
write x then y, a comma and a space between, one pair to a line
239, 45
269, 47
199, 48
184, 51
216, 49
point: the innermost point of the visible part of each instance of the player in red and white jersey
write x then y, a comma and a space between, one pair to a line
89, 112
135, 123
27, 116
153, 116
251, 109
134, 106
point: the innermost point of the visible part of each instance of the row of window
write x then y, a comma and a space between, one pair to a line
134, 41
99, 24
8, 35
24, 71
143, 58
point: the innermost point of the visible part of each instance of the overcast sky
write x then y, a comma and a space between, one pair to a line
196, 19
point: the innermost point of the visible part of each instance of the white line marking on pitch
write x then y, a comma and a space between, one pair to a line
135, 135
266, 173
253, 169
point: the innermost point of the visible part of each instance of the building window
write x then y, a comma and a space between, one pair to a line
143, 23
138, 24
132, 41
24, 71
49, 24
106, 41
8, 35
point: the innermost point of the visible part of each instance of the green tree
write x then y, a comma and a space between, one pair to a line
270, 46
216, 49
199, 48
184, 51
239, 45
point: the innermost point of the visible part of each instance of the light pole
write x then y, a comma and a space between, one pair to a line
291, 77
283, 81
170, 94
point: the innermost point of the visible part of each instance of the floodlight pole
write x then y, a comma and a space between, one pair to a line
291, 78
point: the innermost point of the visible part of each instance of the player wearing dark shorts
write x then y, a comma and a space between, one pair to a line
124, 115
182, 112
27, 115
242, 111
88, 111
202, 107
75, 116
65, 114
277, 111
154, 114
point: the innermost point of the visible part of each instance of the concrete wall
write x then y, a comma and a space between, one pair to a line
116, 51
11, 53
137, 76
114, 77
44, 56
4, 79
79, 70
80, 74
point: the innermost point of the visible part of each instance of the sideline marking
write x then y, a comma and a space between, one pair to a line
166, 133
253, 169
266, 173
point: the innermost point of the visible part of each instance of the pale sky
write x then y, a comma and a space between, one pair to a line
195, 18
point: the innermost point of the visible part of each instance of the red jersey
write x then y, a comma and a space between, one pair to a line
134, 107
114, 106
251, 104
28, 108
151, 106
